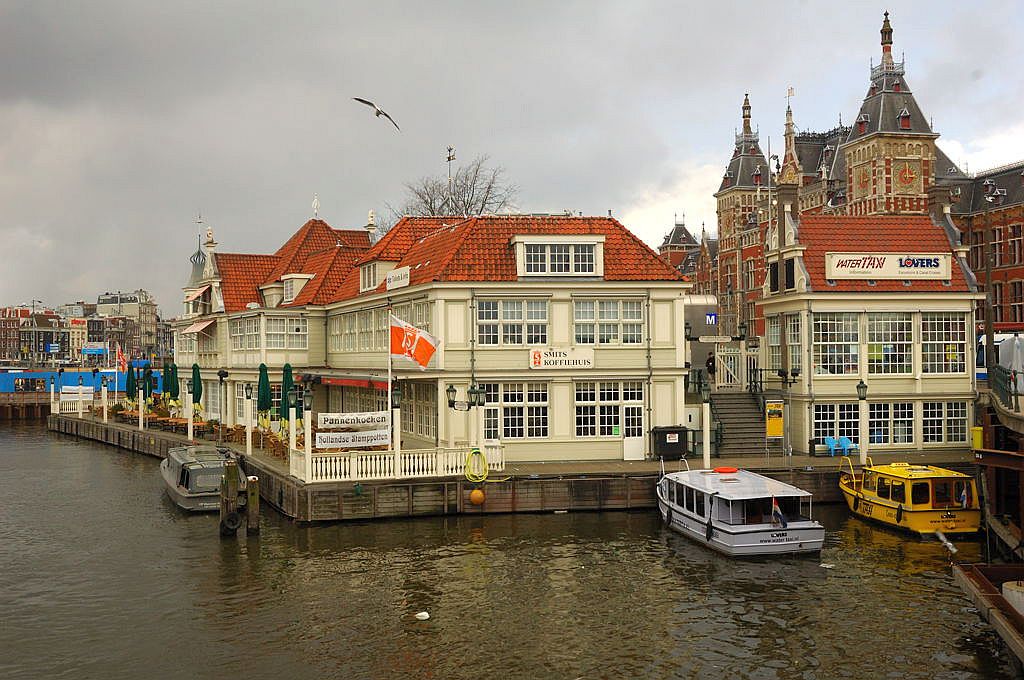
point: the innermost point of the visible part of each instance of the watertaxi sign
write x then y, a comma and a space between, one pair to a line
774, 419
554, 357
362, 421
888, 266
397, 278
352, 440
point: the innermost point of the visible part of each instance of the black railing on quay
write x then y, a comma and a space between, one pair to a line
1003, 383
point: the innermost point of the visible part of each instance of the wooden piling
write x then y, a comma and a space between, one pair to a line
230, 519
252, 506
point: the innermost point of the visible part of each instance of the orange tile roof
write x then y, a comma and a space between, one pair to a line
241, 276
480, 249
329, 268
897, 234
313, 237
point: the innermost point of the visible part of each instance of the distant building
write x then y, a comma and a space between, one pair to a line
78, 310
114, 331
165, 338
78, 335
44, 338
680, 249
11, 319
139, 306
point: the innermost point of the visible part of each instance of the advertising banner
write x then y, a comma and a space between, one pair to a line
774, 419
352, 440
361, 421
887, 266
554, 357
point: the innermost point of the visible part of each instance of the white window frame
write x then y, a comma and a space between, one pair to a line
836, 336
836, 419
944, 343
559, 256
890, 341
599, 406
511, 323
368, 277
608, 322
891, 423
773, 336
944, 422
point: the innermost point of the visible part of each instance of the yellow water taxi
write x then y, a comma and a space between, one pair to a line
921, 499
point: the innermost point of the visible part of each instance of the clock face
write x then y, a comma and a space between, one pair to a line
861, 181
907, 177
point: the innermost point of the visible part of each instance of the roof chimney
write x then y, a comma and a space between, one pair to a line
371, 225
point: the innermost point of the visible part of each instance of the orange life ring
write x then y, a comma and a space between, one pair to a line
726, 469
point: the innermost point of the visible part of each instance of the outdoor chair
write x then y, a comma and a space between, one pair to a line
832, 444
847, 445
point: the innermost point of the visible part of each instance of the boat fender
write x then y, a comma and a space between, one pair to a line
668, 517
899, 513
856, 503
707, 532
232, 521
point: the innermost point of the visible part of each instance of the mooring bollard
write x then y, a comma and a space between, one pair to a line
252, 506
230, 520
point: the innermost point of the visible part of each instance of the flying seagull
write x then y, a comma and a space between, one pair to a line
378, 111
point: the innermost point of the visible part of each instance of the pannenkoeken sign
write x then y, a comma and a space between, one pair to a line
935, 266
363, 420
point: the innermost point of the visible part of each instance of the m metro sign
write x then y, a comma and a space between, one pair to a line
904, 266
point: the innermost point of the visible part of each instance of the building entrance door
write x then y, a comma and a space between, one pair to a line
729, 368
633, 432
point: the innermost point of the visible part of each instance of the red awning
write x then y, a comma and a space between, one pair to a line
198, 326
356, 382
192, 296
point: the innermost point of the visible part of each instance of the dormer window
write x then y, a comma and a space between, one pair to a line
727, 179
871, 90
904, 118
897, 86
368, 277
756, 176
862, 123
538, 255
292, 285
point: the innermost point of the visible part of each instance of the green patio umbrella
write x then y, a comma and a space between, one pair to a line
165, 376
264, 401
173, 388
197, 384
287, 383
130, 387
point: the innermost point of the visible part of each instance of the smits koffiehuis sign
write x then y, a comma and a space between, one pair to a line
552, 357
888, 266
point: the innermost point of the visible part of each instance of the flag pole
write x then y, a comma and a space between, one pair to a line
387, 348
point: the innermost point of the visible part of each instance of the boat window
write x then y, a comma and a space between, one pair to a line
920, 493
206, 480
963, 493
699, 503
942, 493
671, 492
869, 481
730, 512
680, 493
756, 509
899, 492
689, 499
883, 487
183, 478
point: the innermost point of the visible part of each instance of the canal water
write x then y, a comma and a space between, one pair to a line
102, 577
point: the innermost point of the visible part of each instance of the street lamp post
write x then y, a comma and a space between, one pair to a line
994, 196
396, 426
307, 426
292, 399
788, 380
705, 422
51, 394
476, 396
862, 396
248, 419
80, 384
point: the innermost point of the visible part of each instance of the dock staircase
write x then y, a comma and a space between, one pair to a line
742, 425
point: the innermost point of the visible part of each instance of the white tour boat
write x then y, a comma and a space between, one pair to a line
739, 513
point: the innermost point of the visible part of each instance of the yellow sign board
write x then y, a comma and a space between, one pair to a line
773, 419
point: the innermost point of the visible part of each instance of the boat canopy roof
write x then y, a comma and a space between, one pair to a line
199, 456
736, 486
911, 471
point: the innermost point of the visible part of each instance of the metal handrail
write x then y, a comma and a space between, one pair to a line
1003, 383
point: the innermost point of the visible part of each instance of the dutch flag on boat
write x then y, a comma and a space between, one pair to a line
777, 515
963, 497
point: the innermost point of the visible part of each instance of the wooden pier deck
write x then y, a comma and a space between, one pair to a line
524, 487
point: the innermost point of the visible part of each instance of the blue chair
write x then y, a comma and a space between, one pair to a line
832, 445
846, 445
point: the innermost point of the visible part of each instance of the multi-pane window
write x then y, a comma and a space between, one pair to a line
749, 282
237, 332
943, 342
1014, 251
211, 395
252, 332
944, 421
836, 343
298, 333
997, 247
997, 302
419, 410
515, 410
890, 343
602, 407
240, 403
559, 258
512, 322
793, 340
287, 333
891, 423
276, 330
1017, 301
289, 290
774, 337
836, 420
608, 322
368, 276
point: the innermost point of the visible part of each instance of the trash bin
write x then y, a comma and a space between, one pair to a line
670, 441
977, 438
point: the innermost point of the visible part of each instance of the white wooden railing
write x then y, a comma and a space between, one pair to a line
365, 465
70, 406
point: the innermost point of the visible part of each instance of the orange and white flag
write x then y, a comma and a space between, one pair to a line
411, 343
122, 363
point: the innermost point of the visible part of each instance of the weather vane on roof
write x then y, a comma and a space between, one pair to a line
316, 205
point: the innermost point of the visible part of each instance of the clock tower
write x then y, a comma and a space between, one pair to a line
890, 152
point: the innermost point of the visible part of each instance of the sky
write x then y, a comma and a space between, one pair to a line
120, 122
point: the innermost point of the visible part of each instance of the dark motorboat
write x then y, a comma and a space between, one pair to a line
192, 476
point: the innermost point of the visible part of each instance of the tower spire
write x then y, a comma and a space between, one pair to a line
790, 162
886, 41
746, 114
